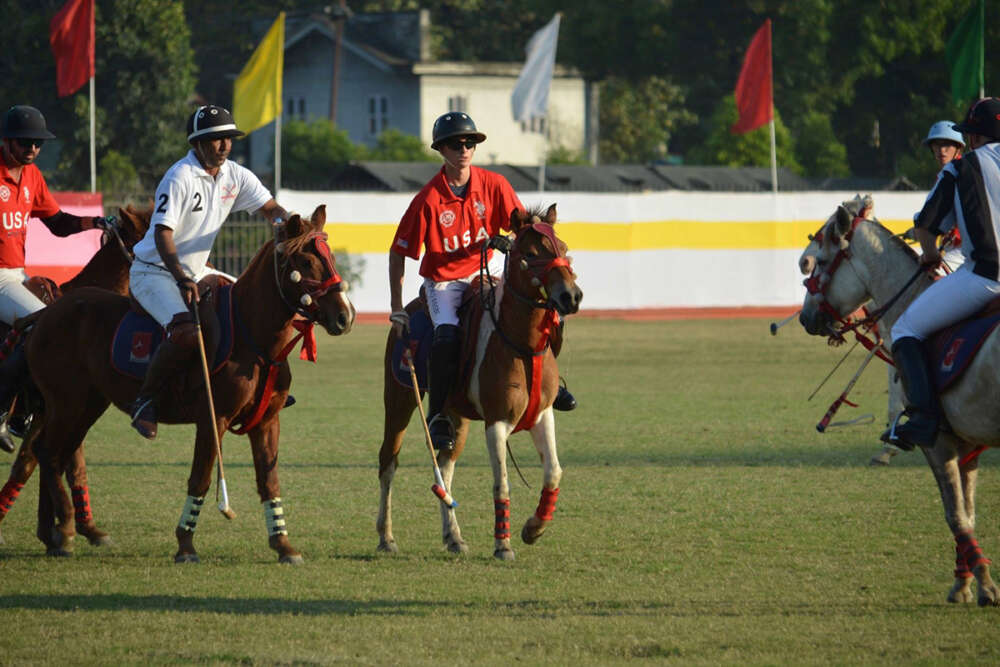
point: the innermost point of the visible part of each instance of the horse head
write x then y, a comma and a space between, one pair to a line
132, 225
541, 267
832, 291
307, 275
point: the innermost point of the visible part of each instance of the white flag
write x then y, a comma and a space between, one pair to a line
530, 98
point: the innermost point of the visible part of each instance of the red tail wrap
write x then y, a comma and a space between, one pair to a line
81, 503
11, 490
501, 526
547, 505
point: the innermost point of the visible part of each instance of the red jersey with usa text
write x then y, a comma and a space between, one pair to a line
453, 229
29, 198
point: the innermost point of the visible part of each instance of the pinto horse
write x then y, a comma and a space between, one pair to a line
858, 259
108, 269
509, 381
291, 275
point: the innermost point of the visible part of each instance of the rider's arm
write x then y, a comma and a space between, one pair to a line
928, 245
64, 224
273, 211
164, 237
397, 267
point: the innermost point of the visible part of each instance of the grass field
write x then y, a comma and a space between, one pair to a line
702, 519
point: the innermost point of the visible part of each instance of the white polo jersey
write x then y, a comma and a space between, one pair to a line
194, 205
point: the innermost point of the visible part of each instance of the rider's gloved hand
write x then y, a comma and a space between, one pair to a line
105, 222
501, 243
400, 322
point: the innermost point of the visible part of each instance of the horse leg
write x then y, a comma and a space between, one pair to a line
543, 434
20, 472
198, 482
264, 445
76, 478
451, 534
496, 447
398, 405
54, 528
970, 561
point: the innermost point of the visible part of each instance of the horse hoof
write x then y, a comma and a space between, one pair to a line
532, 531
58, 552
186, 558
504, 554
103, 540
880, 460
388, 547
458, 547
291, 559
960, 597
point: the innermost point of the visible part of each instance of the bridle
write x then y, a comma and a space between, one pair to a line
312, 289
537, 268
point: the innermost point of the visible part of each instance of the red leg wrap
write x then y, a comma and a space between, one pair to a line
11, 490
961, 567
501, 526
547, 505
8, 343
81, 503
968, 549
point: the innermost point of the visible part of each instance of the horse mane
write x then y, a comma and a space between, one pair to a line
292, 246
897, 240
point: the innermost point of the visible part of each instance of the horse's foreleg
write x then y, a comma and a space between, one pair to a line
76, 478
264, 445
544, 436
399, 403
451, 533
969, 561
54, 528
20, 472
496, 446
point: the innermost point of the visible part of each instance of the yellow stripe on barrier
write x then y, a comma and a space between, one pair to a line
623, 237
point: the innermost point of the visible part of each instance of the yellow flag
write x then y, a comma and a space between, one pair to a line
257, 94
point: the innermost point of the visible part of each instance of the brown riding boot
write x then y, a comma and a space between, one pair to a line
168, 357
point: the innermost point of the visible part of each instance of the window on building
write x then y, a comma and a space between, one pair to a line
535, 125
291, 108
458, 103
302, 108
378, 114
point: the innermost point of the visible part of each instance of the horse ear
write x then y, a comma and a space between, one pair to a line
517, 219
843, 220
550, 215
293, 226
319, 217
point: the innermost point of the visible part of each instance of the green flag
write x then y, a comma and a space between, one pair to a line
964, 52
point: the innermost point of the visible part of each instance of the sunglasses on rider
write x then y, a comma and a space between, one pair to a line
28, 143
458, 144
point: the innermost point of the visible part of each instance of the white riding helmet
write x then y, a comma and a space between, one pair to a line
942, 130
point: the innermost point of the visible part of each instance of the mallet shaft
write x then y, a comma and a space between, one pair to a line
777, 325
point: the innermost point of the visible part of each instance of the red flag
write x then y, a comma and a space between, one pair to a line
71, 35
754, 99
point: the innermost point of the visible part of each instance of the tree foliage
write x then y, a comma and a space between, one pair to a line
750, 149
639, 118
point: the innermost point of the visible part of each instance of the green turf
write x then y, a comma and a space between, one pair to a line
702, 519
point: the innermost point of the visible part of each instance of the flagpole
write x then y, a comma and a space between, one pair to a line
774, 161
982, 47
277, 154
93, 149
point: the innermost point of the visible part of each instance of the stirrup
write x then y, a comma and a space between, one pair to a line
6, 441
20, 424
564, 400
144, 417
442, 432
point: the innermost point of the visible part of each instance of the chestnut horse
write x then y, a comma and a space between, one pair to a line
68, 351
508, 382
108, 269
857, 259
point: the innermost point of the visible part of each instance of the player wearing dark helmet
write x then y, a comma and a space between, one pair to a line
462, 208
192, 201
23, 195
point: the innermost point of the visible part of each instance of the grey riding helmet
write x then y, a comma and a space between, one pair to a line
455, 124
24, 122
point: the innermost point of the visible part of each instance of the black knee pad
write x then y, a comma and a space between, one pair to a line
446, 334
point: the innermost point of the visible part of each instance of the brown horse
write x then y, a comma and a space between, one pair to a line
509, 381
293, 275
108, 269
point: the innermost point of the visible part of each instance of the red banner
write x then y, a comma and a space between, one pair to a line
754, 100
71, 35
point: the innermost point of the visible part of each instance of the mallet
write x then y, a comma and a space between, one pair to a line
439, 488
823, 423
777, 325
224, 507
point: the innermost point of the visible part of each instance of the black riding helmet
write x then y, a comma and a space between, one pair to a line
24, 122
455, 124
983, 119
211, 122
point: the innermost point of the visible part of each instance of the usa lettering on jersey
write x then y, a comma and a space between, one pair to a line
451, 243
15, 220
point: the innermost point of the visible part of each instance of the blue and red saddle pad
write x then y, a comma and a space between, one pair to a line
951, 350
418, 341
138, 335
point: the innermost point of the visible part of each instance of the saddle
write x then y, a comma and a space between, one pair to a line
138, 334
951, 350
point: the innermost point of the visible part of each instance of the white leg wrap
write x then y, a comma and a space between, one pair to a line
189, 517
274, 515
